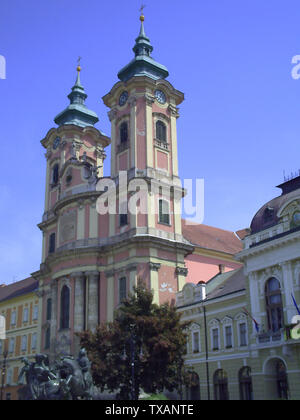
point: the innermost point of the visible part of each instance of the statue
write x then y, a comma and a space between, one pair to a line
66, 379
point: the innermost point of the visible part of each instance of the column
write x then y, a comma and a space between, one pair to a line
110, 279
93, 299
154, 281
182, 273
79, 301
53, 325
288, 290
132, 102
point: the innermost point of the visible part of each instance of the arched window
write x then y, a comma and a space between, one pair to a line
282, 381
161, 131
123, 133
194, 388
49, 309
221, 385
164, 212
245, 381
52, 243
274, 304
55, 176
65, 308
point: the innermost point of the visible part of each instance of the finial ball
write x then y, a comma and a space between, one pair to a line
142, 18
78, 68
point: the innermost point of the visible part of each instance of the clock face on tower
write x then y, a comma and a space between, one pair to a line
160, 96
123, 98
56, 143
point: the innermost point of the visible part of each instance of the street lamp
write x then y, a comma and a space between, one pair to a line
3, 371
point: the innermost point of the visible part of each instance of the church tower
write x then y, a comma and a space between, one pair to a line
92, 261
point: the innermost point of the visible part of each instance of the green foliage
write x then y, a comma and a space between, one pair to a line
152, 333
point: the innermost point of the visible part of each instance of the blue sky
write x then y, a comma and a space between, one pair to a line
240, 123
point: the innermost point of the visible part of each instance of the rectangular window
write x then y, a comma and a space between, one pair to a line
123, 220
9, 377
24, 343
34, 341
215, 338
164, 212
243, 334
25, 315
13, 319
1, 347
35, 313
196, 342
52, 243
228, 336
11, 348
122, 289
49, 309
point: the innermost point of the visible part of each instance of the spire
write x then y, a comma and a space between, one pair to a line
143, 64
77, 113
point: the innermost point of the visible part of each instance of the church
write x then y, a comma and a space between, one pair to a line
91, 261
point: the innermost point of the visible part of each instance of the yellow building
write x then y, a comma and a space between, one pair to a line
20, 306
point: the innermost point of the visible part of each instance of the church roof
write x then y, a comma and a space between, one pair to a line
77, 112
143, 64
211, 238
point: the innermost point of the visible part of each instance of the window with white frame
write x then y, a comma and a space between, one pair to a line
35, 314
228, 336
196, 341
11, 347
9, 376
215, 339
122, 289
1, 347
25, 315
243, 334
13, 318
24, 343
34, 341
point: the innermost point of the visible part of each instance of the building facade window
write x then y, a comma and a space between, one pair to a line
49, 309
274, 304
215, 339
243, 334
13, 319
11, 347
25, 314
9, 376
52, 243
24, 343
1, 347
65, 308
35, 314
221, 385
161, 131
55, 174
282, 381
245, 382
124, 133
34, 341
194, 388
123, 220
164, 212
228, 337
196, 341
122, 289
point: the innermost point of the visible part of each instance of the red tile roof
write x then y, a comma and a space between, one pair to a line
212, 238
18, 288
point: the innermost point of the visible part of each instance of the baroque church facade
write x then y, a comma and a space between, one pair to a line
91, 261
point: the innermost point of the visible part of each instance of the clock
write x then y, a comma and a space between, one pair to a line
123, 98
160, 96
56, 143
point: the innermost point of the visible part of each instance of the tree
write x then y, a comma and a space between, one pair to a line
142, 348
